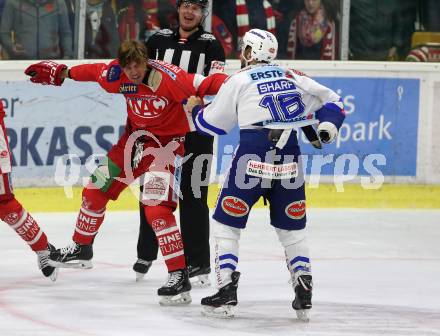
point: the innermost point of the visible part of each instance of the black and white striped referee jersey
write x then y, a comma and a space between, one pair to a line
195, 54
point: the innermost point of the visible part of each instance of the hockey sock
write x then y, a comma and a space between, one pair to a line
90, 217
226, 252
168, 235
297, 252
12, 212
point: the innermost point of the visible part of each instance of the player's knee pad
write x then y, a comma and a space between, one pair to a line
225, 231
290, 237
94, 199
10, 210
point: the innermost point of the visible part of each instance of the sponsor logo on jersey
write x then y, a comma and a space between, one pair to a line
165, 32
12, 218
267, 74
271, 171
275, 86
128, 88
156, 186
280, 124
170, 69
114, 73
296, 72
296, 210
159, 224
4, 154
207, 36
217, 67
234, 206
147, 106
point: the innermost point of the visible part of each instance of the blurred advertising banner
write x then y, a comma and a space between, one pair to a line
46, 123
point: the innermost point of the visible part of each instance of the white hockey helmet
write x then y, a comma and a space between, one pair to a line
264, 45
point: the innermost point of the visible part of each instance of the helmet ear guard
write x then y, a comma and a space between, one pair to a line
264, 45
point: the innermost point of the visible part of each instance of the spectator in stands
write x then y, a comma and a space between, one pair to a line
312, 33
285, 11
102, 39
137, 20
378, 30
237, 17
430, 15
36, 29
2, 54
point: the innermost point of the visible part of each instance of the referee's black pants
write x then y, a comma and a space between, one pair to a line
193, 211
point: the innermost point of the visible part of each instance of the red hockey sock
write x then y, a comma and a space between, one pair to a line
168, 235
12, 212
90, 217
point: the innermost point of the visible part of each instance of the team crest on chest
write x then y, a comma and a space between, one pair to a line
147, 106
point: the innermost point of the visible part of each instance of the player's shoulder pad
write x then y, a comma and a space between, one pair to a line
164, 32
154, 79
114, 72
207, 37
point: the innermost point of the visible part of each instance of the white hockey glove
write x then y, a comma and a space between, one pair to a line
327, 132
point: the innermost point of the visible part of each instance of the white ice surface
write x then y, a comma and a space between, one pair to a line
376, 272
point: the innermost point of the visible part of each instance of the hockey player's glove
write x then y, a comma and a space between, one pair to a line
46, 73
327, 132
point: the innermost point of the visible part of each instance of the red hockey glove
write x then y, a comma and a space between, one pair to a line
46, 73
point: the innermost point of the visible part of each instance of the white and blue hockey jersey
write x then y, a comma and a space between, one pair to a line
270, 96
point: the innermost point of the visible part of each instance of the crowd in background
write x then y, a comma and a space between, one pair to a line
306, 29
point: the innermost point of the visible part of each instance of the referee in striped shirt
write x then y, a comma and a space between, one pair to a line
193, 49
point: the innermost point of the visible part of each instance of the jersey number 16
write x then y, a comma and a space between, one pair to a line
283, 106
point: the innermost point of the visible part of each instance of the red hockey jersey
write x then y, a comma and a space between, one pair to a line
157, 105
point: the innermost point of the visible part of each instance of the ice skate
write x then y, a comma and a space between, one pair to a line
176, 290
141, 268
44, 263
72, 256
221, 304
303, 297
199, 276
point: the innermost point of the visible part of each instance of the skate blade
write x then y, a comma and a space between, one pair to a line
83, 264
201, 281
222, 312
139, 276
54, 275
303, 315
176, 300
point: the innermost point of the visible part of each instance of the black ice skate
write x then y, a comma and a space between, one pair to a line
73, 256
303, 297
221, 304
199, 276
141, 268
176, 290
44, 263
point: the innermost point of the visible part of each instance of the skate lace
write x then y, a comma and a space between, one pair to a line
43, 259
174, 278
68, 249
